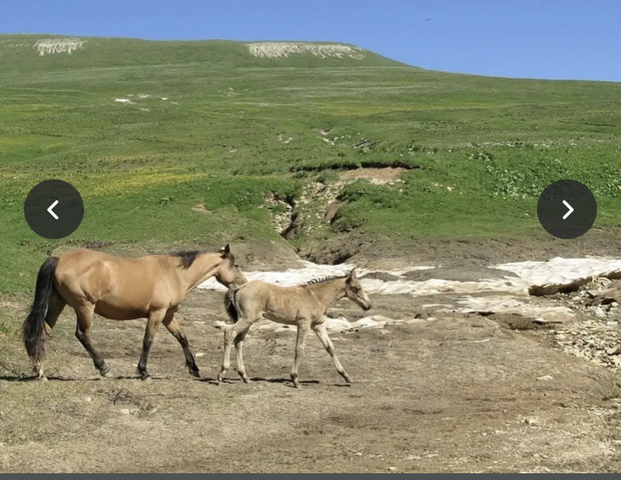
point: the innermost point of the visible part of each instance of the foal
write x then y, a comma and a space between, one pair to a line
302, 305
120, 288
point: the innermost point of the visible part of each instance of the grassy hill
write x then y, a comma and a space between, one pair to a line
178, 144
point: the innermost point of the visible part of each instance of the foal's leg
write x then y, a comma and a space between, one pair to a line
171, 323
239, 350
303, 329
322, 333
83, 334
231, 333
55, 306
155, 318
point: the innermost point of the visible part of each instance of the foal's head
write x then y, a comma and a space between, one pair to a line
229, 274
355, 292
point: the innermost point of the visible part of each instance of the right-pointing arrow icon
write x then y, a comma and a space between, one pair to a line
569, 211
49, 209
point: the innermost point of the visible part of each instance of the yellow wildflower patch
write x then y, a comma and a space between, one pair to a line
127, 181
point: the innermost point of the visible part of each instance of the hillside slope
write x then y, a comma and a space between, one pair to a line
31, 53
198, 143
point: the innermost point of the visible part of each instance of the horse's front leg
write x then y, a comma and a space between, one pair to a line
303, 329
171, 323
155, 319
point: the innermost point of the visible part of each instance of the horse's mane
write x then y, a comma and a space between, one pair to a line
188, 257
324, 279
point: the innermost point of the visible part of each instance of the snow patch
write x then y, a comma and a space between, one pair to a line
546, 278
55, 45
531, 276
310, 271
339, 324
511, 305
512, 292
285, 49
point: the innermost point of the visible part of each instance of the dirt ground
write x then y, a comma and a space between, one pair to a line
384, 253
447, 393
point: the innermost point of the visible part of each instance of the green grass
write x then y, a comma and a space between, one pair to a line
209, 123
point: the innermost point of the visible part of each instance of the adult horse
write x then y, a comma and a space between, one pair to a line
121, 288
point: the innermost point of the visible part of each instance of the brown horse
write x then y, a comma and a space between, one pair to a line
304, 306
120, 288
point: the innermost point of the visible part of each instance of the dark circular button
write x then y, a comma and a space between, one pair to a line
567, 209
54, 209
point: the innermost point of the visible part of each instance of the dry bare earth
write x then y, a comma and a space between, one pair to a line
461, 393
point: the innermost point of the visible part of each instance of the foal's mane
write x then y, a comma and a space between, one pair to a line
324, 279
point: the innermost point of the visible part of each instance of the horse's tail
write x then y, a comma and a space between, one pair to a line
33, 333
229, 304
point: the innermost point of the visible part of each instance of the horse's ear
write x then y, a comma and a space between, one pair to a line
226, 251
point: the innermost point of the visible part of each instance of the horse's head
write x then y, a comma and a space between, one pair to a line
355, 292
229, 274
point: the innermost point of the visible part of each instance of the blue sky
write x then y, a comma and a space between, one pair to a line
567, 39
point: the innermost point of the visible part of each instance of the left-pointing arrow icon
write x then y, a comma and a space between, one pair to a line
569, 211
49, 209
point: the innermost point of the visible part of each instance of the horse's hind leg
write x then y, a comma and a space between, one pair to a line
303, 329
83, 334
155, 318
171, 323
322, 333
55, 306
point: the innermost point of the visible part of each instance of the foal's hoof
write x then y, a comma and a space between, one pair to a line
346, 377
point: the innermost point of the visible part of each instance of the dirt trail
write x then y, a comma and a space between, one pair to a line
449, 391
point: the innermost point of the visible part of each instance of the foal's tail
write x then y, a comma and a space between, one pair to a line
33, 333
229, 304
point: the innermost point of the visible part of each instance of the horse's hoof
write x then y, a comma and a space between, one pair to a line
195, 373
144, 376
106, 372
42, 378
243, 376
